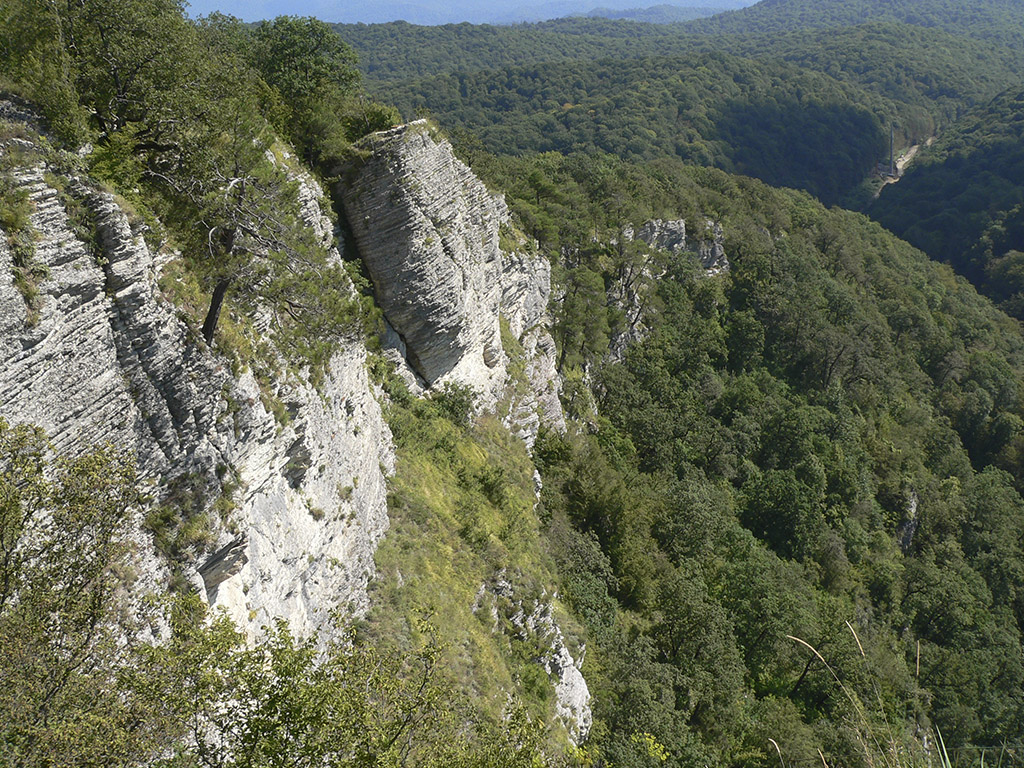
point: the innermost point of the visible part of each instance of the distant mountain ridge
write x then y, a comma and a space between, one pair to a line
656, 14
429, 12
990, 19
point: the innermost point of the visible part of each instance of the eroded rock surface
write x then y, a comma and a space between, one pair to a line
429, 232
670, 235
107, 360
534, 621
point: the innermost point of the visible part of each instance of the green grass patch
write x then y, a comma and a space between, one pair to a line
511, 239
15, 220
181, 524
462, 511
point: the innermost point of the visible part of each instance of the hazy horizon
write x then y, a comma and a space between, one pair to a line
432, 12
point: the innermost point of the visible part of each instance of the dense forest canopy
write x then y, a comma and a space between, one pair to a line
964, 202
830, 432
787, 125
402, 51
993, 20
656, 14
782, 425
574, 85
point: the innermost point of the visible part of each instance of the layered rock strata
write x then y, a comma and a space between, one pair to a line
104, 358
107, 360
427, 230
430, 234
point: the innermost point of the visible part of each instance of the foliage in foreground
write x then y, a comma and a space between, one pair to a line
184, 118
83, 682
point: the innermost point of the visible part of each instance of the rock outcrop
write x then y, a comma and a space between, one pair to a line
664, 235
107, 360
299, 471
449, 271
427, 230
430, 234
534, 621
670, 236
631, 292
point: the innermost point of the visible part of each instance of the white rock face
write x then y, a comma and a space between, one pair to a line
525, 290
538, 626
572, 696
670, 236
315, 503
109, 361
60, 370
428, 231
711, 249
664, 235
540, 403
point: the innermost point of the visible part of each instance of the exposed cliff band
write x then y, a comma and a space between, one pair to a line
428, 231
108, 360
105, 358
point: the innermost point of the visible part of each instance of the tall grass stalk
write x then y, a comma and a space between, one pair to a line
880, 744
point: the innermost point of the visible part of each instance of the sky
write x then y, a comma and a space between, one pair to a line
429, 11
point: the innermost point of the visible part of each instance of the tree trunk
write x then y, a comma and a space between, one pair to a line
213, 315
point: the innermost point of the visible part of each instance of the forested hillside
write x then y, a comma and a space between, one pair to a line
758, 466
787, 125
994, 20
891, 54
753, 104
400, 51
656, 14
823, 444
963, 202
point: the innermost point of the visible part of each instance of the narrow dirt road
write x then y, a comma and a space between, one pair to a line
906, 158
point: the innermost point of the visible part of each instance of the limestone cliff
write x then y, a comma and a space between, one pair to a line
670, 236
107, 359
449, 272
445, 272
102, 355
